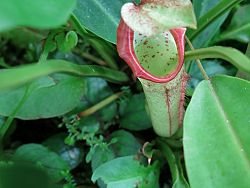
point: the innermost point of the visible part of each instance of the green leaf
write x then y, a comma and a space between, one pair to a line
213, 14
60, 39
134, 116
174, 163
216, 134
17, 76
201, 7
228, 54
22, 36
180, 183
66, 42
127, 172
126, 143
42, 14
100, 156
212, 68
44, 101
106, 50
241, 74
73, 155
158, 16
89, 12
97, 90
239, 28
40, 155
204, 37
71, 39
23, 175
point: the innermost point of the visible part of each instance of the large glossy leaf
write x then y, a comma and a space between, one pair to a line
216, 134
214, 13
38, 14
205, 37
100, 16
239, 28
48, 97
40, 155
201, 7
127, 172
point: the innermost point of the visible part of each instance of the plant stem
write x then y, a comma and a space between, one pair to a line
90, 57
198, 62
6, 126
100, 105
242, 74
231, 55
174, 143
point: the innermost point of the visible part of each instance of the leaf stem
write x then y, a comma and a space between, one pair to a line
100, 105
174, 143
231, 55
17, 76
90, 57
198, 62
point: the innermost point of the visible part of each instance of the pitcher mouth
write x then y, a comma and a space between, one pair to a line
125, 47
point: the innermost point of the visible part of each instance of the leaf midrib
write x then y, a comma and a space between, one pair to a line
112, 19
235, 138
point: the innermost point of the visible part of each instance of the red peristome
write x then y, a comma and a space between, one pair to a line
125, 37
